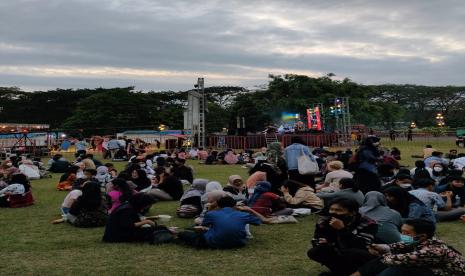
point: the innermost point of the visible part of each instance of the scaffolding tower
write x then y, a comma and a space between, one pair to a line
340, 109
195, 114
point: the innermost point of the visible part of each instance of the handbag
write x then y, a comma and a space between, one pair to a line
306, 165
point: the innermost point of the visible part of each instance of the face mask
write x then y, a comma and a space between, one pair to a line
406, 239
406, 186
437, 169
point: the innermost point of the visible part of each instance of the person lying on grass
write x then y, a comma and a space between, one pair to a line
223, 228
419, 253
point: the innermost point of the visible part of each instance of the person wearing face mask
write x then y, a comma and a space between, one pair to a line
400, 180
341, 238
419, 253
436, 157
455, 184
439, 172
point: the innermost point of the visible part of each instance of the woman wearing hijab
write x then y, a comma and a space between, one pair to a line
407, 205
236, 188
139, 177
267, 203
211, 186
389, 221
253, 179
103, 176
231, 158
191, 200
210, 203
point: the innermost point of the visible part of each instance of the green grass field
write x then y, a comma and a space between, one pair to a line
30, 245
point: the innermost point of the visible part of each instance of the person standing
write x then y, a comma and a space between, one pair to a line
291, 155
366, 175
409, 135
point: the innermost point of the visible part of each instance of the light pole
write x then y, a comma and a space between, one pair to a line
440, 120
161, 128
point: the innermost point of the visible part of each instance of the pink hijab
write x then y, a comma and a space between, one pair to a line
254, 178
231, 158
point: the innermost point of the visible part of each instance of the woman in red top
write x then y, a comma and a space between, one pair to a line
267, 203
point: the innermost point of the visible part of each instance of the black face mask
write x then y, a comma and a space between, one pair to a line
347, 219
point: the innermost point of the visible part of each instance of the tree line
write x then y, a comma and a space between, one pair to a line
103, 110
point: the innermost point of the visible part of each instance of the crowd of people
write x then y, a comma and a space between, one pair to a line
374, 217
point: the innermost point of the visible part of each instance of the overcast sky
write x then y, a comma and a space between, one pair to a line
161, 45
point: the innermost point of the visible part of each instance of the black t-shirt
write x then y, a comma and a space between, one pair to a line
184, 172
59, 166
120, 226
173, 187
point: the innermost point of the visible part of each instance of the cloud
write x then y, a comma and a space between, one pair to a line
168, 44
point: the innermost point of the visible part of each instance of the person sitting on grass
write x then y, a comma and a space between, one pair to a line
224, 227
341, 238
18, 186
389, 221
89, 175
434, 201
127, 224
96, 162
58, 164
210, 203
80, 171
183, 171
90, 209
347, 189
400, 180
120, 194
407, 205
299, 195
231, 158
455, 184
103, 176
267, 203
236, 188
191, 200
336, 173
67, 179
420, 168
419, 253
139, 177
168, 188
